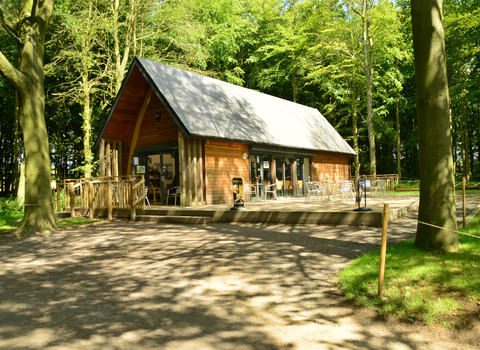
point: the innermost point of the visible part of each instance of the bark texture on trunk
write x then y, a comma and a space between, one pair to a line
437, 183
29, 83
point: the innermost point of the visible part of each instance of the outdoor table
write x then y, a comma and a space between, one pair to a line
328, 182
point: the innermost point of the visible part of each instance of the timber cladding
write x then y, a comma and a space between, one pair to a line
336, 166
223, 162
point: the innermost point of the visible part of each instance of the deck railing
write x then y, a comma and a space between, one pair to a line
390, 180
106, 192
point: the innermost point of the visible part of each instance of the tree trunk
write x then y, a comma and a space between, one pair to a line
399, 143
355, 129
465, 145
437, 183
368, 67
28, 81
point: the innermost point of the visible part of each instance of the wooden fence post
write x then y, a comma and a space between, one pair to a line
90, 200
109, 201
383, 250
133, 214
72, 199
59, 202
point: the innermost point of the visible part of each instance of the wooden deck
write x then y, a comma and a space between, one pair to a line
286, 211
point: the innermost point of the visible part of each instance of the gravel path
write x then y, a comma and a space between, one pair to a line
126, 285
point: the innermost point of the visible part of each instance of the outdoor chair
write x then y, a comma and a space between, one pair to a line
345, 188
146, 197
314, 189
248, 190
271, 189
380, 186
173, 193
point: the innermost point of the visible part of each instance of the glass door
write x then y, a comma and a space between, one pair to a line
300, 179
283, 174
260, 171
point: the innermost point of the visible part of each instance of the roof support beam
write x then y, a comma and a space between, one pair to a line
146, 101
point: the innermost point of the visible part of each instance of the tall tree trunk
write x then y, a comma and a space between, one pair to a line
465, 145
368, 68
399, 143
29, 83
437, 183
355, 129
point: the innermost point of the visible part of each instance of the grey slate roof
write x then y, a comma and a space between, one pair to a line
210, 108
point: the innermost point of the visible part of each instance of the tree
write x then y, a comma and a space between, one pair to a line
28, 24
437, 183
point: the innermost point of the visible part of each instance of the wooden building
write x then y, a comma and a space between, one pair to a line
187, 130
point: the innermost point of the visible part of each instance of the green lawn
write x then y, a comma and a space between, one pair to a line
434, 288
11, 215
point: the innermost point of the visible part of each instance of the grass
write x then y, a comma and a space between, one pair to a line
433, 288
11, 215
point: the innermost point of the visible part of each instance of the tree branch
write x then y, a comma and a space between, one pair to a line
13, 76
46, 10
8, 26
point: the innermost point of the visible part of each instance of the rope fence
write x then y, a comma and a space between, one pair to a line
447, 229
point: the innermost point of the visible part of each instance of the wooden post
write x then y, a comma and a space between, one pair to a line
59, 198
194, 178
182, 167
133, 214
383, 250
90, 200
464, 201
72, 199
200, 172
114, 160
109, 200
102, 157
109, 159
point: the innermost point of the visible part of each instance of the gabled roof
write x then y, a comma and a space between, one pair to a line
208, 108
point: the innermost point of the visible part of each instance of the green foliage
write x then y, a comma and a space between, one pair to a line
10, 206
437, 289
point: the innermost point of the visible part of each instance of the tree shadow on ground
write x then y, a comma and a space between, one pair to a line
145, 286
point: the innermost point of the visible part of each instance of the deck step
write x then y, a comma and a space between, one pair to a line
174, 219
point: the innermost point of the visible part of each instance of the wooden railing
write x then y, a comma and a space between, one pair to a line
390, 180
106, 192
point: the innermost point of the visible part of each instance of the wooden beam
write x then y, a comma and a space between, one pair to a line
120, 156
182, 166
109, 159
138, 124
200, 172
102, 157
194, 172
114, 159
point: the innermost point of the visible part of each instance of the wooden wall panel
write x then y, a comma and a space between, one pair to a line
154, 133
337, 166
190, 151
223, 162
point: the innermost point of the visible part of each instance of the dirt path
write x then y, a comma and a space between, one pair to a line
143, 286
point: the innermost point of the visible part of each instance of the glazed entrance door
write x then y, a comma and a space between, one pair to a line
283, 173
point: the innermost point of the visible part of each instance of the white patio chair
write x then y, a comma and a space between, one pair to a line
248, 190
344, 188
379, 186
271, 189
146, 197
314, 189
